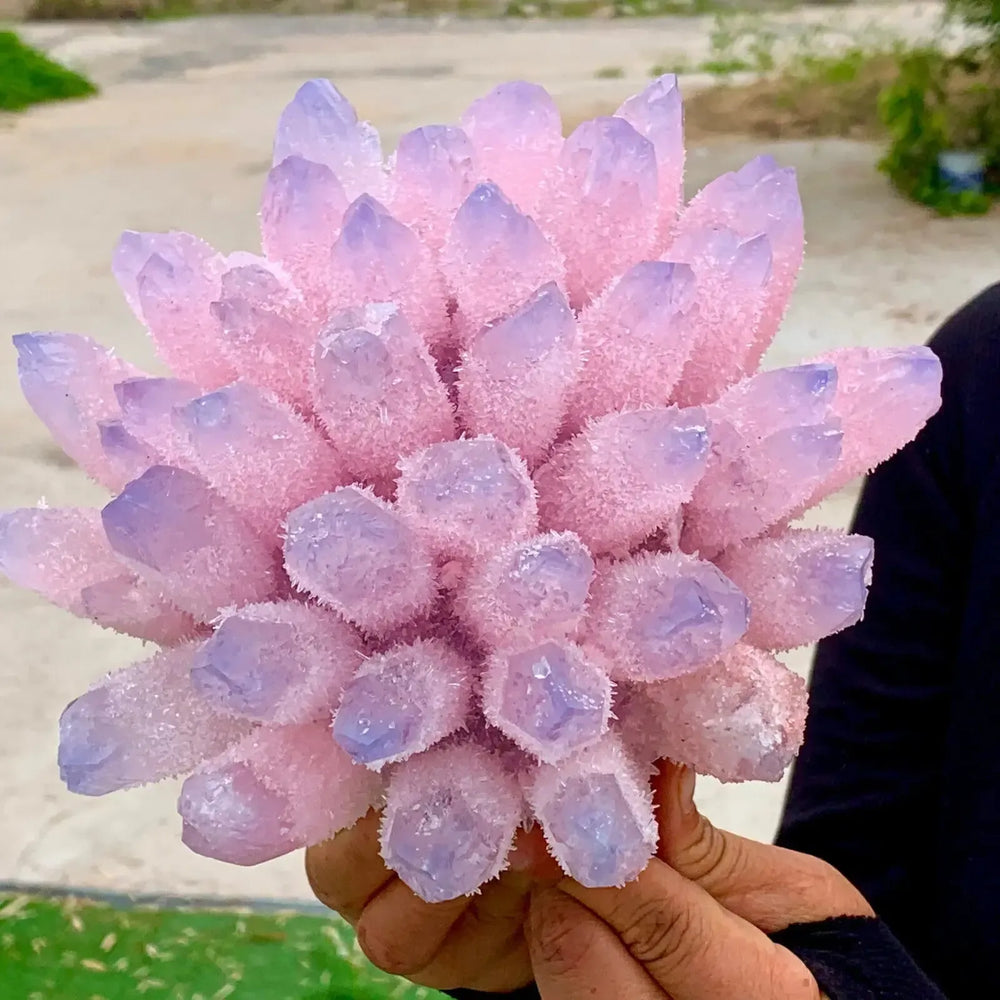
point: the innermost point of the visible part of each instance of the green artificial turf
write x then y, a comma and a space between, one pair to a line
70, 949
28, 77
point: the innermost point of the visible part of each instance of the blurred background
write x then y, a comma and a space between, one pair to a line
158, 114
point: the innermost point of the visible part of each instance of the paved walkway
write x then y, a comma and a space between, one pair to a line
180, 139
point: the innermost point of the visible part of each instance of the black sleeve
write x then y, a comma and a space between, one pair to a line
865, 791
852, 958
857, 958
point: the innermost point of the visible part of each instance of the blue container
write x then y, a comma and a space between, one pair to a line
962, 170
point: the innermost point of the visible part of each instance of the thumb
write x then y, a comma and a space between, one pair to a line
769, 886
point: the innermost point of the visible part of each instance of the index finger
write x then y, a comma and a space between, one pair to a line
347, 871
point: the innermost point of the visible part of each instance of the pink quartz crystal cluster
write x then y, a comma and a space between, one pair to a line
466, 499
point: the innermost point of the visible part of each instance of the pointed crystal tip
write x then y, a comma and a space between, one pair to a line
88, 744
49, 354
230, 815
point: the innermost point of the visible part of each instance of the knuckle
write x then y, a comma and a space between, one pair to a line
560, 938
385, 952
702, 859
658, 934
825, 883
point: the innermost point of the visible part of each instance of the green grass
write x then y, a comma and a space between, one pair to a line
610, 73
70, 949
27, 77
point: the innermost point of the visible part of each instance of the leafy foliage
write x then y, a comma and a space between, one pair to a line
937, 103
27, 77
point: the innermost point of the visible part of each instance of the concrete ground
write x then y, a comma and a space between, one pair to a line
180, 139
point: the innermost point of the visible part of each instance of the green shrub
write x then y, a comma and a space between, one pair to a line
940, 102
28, 77
983, 14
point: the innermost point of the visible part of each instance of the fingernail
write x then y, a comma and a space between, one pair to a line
685, 790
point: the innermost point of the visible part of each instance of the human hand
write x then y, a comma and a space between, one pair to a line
693, 925
478, 942
475, 942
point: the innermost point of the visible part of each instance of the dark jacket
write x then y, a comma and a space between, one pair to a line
898, 784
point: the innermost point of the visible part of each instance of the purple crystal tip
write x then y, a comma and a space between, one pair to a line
442, 848
601, 842
164, 512
89, 745
230, 815
370, 727
244, 666
48, 354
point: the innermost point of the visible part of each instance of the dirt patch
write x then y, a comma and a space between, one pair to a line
817, 98
794, 106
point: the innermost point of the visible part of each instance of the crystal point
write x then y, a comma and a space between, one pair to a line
759, 198
658, 115
742, 719
529, 589
550, 699
268, 330
517, 135
467, 496
69, 382
321, 126
433, 171
641, 464
803, 585
402, 702
280, 788
301, 211
377, 391
285, 662
449, 821
662, 615
597, 814
901, 385
256, 452
378, 259
141, 724
517, 374
600, 207
183, 538
358, 555
636, 339
494, 258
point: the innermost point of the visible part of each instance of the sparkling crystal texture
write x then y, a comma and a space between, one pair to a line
377, 391
358, 555
283, 662
550, 699
662, 615
449, 820
402, 702
180, 536
468, 496
464, 498
596, 811
529, 589
493, 259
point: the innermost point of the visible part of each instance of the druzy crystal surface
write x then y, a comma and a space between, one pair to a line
466, 499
